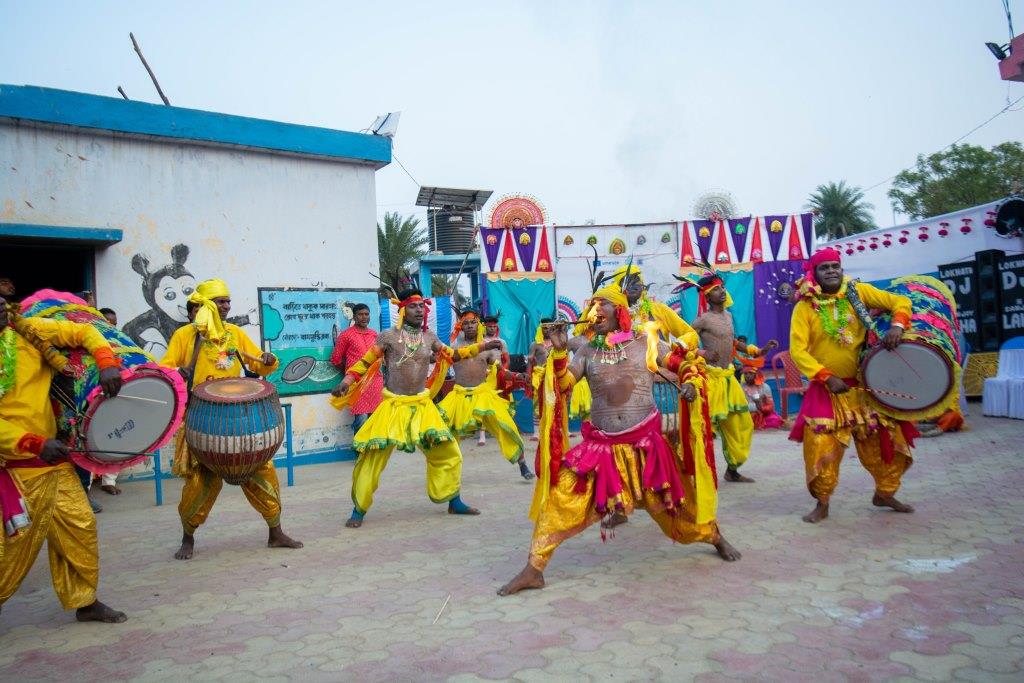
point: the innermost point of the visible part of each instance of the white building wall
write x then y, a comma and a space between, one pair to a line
253, 218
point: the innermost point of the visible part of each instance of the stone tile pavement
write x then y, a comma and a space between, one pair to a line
867, 595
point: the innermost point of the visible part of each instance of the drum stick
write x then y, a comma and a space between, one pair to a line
883, 392
251, 359
105, 450
907, 362
140, 398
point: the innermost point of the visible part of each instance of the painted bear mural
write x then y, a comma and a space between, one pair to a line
165, 290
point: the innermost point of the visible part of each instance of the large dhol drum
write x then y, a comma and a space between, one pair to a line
920, 379
234, 425
109, 434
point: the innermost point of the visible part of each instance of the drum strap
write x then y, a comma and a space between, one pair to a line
192, 363
858, 306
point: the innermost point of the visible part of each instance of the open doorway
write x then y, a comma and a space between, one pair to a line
44, 265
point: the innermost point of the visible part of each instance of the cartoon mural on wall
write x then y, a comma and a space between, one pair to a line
166, 291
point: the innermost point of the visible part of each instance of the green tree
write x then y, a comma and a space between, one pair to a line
441, 285
957, 178
400, 243
839, 211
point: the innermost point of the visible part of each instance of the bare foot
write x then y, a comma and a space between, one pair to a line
726, 551
890, 502
733, 475
354, 522
279, 539
188, 543
97, 611
464, 510
615, 520
526, 579
819, 513
111, 489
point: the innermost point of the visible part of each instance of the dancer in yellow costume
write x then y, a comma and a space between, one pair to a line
407, 417
41, 496
206, 349
624, 462
474, 402
826, 338
728, 402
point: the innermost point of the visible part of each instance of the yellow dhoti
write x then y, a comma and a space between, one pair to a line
730, 416
825, 443
579, 402
61, 516
567, 513
467, 409
406, 423
202, 486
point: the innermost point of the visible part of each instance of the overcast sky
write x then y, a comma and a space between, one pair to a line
612, 111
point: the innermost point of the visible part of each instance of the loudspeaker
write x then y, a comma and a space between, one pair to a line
1010, 218
989, 300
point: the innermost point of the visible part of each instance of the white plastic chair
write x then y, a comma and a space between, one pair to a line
1003, 395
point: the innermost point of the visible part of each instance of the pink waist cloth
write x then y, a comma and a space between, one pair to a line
817, 405
12, 505
593, 456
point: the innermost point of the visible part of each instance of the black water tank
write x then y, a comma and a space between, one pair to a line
450, 230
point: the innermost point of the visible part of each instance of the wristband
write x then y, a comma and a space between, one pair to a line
104, 358
31, 443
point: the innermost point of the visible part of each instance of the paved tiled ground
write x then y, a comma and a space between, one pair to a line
867, 595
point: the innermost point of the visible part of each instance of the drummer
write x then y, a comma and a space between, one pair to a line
827, 336
221, 348
41, 498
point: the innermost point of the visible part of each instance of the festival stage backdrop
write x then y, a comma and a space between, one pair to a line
740, 283
774, 289
521, 300
654, 249
300, 325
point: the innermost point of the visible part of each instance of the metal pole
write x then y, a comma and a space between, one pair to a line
158, 480
288, 456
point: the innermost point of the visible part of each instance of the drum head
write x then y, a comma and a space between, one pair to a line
234, 390
914, 369
134, 421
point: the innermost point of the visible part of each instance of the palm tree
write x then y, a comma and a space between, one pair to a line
839, 211
400, 243
442, 285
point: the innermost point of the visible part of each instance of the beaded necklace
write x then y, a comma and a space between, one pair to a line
412, 343
611, 349
834, 312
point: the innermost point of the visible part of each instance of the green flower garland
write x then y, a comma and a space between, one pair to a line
8, 358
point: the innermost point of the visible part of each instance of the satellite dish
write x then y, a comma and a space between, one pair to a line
386, 126
1010, 218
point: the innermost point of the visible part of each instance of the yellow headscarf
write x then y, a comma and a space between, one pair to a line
207, 319
620, 274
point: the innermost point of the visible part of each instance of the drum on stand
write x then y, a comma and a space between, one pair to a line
234, 425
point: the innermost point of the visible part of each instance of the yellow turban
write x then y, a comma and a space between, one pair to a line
207, 319
620, 274
612, 294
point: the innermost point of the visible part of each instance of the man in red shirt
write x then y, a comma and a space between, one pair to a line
350, 346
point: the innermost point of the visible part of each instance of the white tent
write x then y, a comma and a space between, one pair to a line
921, 246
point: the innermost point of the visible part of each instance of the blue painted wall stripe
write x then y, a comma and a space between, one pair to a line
62, 232
63, 107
